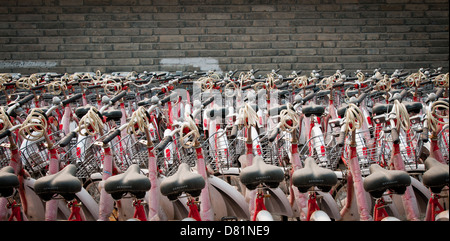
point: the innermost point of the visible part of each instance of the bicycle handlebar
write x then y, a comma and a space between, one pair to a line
163, 143
111, 136
5, 133
308, 97
26, 99
208, 101
71, 99
118, 96
66, 140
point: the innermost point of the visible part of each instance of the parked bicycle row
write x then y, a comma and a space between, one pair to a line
229, 146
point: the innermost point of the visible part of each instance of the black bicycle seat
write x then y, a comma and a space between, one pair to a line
8, 181
260, 172
313, 175
313, 109
379, 108
436, 175
63, 182
182, 181
381, 179
131, 181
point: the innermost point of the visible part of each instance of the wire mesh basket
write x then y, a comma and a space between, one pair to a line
5, 152
277, 152
87, 155
236, 148
443, 142
368, 150
35, 157
172, 155
216, 150
326, 155
129, 150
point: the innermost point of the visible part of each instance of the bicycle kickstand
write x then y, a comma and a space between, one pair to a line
75, 208
379, 211
15, 211
139, 212
312, 204
193, 209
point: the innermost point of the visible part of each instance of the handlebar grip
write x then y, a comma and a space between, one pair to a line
273, 134
403, 74
66, 140
118, 96
71, 99
184, 77
350, 79
341, 139
111, 136
308, 97
95, 86
165, 100
276, 110
145, 91
403, 93
394, 135
219, 112
5, 133
164, 143
361, 97
246, 87
38, 87
26, 99
310, 86
340, 84
144, 102
208, 101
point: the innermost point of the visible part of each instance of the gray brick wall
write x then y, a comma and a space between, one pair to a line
187, 35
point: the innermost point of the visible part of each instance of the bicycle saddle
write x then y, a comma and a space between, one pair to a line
63, 182
436, 175
313, 175
131, 181
8, 181
260, 172
182, 181
313, 109
381, 179
379, 108
413, 107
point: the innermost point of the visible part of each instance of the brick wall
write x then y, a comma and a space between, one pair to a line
187, 35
